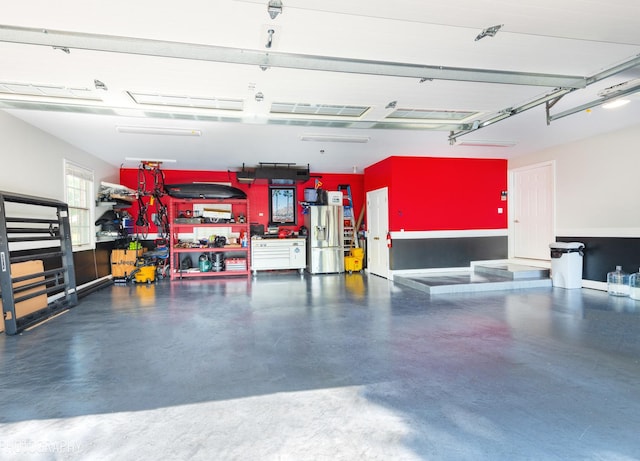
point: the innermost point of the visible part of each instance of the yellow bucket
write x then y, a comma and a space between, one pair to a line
145, 274
352, 264
357, 253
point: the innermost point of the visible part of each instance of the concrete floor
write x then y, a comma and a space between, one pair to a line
326, 367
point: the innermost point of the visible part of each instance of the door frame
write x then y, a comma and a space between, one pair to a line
511, 206
386, 273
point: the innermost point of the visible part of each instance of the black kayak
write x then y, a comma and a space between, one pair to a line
204, 190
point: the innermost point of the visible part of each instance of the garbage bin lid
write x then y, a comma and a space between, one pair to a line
566, 245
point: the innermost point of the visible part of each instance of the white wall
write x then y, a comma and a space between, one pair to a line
597, 184
31, 161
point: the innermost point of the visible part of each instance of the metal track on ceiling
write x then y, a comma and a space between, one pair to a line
201, 52
551, 98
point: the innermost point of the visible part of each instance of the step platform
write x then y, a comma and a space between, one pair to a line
481, 277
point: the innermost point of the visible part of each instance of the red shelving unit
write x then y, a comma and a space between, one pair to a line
187, 228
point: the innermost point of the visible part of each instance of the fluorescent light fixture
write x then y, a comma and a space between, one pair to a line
157, 130
485, 143
151, 160
333, 138
616, 103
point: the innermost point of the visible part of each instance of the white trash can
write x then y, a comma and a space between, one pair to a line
566, 264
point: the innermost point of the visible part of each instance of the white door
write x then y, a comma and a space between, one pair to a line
532, 220
377, 228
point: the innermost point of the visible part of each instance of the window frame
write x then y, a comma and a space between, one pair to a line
80, 197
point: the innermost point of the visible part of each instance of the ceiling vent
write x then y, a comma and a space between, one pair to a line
320, 110
186, 101
431, 114
51, 91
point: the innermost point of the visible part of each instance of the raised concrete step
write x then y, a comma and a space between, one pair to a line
512, 271
486, 277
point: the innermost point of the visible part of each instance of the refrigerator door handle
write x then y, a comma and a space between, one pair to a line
329, 224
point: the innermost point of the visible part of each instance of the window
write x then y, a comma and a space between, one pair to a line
282, 205
78, 183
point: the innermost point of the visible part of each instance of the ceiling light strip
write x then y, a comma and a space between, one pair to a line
616, 103
153, 160
334, 138
485, 143
160, 48
157, 131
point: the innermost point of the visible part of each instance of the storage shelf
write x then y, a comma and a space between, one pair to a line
210, 250
185, 274
178, 207
191, 226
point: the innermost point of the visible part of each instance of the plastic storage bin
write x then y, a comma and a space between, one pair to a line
618, 282
566, 264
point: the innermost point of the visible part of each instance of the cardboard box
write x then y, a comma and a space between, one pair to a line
335, 198
30, 305
123, 262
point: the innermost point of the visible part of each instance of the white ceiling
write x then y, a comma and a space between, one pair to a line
569, 38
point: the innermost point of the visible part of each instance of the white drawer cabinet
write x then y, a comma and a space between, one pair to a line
274, 254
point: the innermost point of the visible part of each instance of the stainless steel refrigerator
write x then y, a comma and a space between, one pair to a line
325, 251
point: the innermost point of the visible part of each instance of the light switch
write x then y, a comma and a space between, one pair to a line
500, 210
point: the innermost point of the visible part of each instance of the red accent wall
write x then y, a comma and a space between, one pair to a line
433, 193
257, 193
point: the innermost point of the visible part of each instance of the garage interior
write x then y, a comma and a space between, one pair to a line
469, 137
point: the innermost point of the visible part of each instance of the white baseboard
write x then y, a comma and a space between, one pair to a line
602, 286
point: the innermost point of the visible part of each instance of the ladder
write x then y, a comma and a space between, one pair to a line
350, 237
